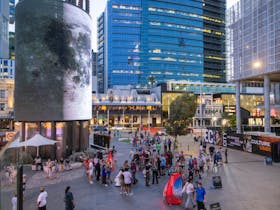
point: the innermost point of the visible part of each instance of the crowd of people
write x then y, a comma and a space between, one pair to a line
147, 158
150, 157
100, 167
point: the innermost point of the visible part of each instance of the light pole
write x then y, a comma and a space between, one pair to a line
108, 116
200, 108
149, 113
123, 117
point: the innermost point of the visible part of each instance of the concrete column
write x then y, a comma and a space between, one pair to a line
266, 92
23, 129
39, 127
81, 126
238, 109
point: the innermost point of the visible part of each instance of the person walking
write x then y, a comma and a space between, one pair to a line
127, 181
14, 202
104, 175
147, 170
69, 199
90, 171
226, 155
98, 170
189, 190
169, 144
200, 197
42, 199
155, 173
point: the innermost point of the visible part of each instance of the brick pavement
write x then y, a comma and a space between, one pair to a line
248, 184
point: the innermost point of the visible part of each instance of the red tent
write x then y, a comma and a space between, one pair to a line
172, 189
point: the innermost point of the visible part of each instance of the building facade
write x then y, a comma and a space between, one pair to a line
6, 103
7, 69
122, 22
149, 41
4, 29
101, 53
127, 107
254, 50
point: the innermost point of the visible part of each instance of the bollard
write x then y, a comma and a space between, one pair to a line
188, 147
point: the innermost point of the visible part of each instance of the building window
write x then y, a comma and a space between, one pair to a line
2, 106
2, 93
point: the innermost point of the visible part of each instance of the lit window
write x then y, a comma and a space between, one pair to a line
157, 51
170, 59
155, 72
155, 58
155, 23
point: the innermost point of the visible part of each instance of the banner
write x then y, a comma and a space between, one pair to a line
213, 137
262, 144
235, 141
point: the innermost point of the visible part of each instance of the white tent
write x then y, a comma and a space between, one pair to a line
15, 144
37, 141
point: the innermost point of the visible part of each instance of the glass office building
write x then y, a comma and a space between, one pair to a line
151, 41
4, 29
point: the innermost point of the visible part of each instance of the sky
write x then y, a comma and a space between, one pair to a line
98, 6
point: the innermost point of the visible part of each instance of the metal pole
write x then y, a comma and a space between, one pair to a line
266, 89
149, 120
123, 117
108, 117
19, 187
200, 110
97, 121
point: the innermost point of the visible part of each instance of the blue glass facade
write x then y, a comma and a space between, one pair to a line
171, 41
123, 39
148, 41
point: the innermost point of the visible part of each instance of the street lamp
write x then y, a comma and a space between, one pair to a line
214, 120
257, 64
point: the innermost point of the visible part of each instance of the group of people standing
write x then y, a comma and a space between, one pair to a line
100, 168
148, 157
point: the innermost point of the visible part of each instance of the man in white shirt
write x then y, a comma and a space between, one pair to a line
42, 199
189, 190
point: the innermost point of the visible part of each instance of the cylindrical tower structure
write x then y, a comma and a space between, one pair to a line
53, 68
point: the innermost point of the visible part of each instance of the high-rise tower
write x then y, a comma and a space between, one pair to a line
148, 41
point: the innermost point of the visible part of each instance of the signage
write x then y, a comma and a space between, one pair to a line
212, 137
10, 136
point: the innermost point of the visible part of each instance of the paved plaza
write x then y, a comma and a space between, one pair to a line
248, 184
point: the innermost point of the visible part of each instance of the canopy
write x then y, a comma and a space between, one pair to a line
16, 143
37, 141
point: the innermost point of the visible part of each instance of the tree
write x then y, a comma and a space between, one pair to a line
182, 110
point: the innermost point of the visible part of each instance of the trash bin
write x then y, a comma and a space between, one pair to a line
268, 161
217, 182
215, 206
